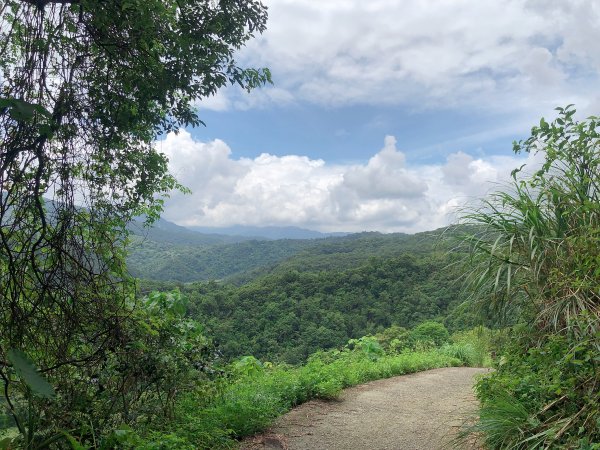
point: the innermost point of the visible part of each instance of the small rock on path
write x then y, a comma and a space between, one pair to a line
421, 411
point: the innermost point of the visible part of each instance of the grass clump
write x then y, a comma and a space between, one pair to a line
472, 347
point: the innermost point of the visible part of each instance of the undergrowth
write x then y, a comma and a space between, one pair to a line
544, 397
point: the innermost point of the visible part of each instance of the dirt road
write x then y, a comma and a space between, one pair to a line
410, 412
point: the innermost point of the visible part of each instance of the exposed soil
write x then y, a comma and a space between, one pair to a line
410, 412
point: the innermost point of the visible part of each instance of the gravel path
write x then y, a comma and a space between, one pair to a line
410, 412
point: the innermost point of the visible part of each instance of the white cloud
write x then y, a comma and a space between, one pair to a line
458, 169
385, 176
504, 55
385, 194
217, 102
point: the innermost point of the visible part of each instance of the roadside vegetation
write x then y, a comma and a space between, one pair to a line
257, 393
247, 395
536, 262
179, 393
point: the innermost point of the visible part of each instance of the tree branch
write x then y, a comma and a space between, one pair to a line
41, 4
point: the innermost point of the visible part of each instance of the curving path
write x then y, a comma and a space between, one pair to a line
410, 412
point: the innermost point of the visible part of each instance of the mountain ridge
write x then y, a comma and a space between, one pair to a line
268, 232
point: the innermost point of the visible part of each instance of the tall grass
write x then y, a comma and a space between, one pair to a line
535, 258
472, 347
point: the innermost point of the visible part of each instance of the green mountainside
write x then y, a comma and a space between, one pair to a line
157, 260
289, 298
172, 253
354, 250
287, 316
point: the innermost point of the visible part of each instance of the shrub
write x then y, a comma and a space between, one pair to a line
478, 344
392, 337
464, 352
367, 345
429, 332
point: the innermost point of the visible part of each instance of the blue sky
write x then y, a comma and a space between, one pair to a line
351, 133
384, 115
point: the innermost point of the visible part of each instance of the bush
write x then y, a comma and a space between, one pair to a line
161, 356
464, 352
552, 386
477, 345
429, 333
367, 345
393, 338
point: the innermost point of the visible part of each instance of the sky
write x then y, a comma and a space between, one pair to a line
384, 115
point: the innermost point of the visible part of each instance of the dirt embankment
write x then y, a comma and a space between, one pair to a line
410, 412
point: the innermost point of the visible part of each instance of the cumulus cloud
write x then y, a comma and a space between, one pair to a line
386, 194
496, 55
384, 176
458, 170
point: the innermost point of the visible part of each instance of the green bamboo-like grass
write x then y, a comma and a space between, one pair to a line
535, 260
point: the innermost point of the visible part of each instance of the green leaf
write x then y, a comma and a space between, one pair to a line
29, 373
73, 442
6, 443
179, 306
22, 110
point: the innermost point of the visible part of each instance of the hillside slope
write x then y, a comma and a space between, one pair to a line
165, 261
285, 316
188, 256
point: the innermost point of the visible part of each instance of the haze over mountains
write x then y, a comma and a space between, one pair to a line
270, 232
236, 233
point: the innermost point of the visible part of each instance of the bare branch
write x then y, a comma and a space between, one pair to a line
41, 4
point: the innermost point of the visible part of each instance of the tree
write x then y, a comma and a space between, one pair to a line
86, 87
430, 332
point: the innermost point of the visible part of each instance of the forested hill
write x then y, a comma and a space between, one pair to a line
175, 253
287, 315
155, 260
350, 251
283, 300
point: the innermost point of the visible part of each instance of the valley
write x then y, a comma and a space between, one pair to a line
282, 300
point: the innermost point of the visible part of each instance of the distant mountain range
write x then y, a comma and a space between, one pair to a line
267, 232
164, 231
171, 252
